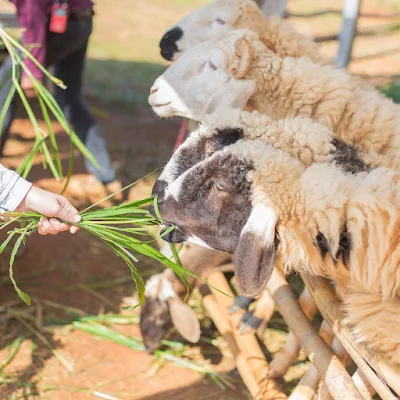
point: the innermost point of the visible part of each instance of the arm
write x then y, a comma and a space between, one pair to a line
13, 189
17, 194
32, 17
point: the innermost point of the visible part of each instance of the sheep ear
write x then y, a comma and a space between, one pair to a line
254, 257
184, 319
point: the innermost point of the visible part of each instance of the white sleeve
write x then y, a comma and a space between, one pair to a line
13, 189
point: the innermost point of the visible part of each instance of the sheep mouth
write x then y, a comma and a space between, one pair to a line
172, 235
159, 105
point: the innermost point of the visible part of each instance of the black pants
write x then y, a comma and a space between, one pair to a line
67, 53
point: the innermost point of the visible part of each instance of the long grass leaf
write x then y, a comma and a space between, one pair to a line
21, 294
14, 347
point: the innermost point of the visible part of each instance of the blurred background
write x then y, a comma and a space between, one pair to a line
46, 352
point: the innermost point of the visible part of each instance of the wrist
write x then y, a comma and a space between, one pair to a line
24, 204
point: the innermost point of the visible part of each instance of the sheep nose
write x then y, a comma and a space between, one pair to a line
153, 90
158, 187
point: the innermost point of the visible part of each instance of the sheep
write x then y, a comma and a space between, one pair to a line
303, 139
267, 208
238, 71
161, 312
222, 16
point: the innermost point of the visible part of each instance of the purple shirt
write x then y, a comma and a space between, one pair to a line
32, 16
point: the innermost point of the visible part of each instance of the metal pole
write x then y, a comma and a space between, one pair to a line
350, 12
274, 7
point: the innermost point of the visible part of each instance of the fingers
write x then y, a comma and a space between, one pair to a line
73, 229
51, 226
67, 211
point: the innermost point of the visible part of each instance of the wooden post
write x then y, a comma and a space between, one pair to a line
220, 319
329, 306
247, 343
327, 364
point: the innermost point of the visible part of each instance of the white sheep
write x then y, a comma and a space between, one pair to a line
238, 70
266, 208
222, 16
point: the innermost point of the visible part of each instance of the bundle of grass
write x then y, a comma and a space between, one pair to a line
45, 141
125, 228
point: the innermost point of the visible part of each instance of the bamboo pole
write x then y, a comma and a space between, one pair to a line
329, 367
306, 389
220, 319
363, 385
247, 343
329, 306
290, 351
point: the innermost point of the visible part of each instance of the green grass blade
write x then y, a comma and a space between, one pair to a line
21, 294
14, 347
52, 136
119, 191
109, 334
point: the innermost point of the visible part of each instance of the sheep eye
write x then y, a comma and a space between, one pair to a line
220, 21
212, 65
220, 187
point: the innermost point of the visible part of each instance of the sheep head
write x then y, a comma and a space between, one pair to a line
165, 309
210, 137
208, 23
214, 74
216, 204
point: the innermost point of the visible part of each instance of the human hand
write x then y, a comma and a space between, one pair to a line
27, 86
50, 205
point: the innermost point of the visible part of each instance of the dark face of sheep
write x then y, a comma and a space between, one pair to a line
194, 150
210, 204
155, 322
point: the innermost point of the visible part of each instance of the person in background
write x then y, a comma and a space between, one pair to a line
17, 194
58, 33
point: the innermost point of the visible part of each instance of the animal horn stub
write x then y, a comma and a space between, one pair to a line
243, 50
268, 44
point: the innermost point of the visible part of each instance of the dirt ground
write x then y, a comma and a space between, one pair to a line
56, 361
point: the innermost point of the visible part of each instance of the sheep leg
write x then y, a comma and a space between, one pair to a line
290, 351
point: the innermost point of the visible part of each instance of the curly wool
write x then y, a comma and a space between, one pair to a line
323, 202
305, 140
297, 87
287, 41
